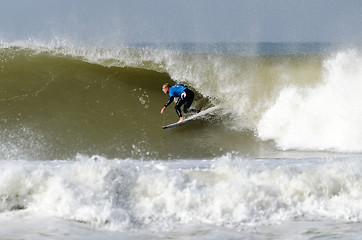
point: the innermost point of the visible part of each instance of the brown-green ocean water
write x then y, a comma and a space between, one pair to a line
57, 103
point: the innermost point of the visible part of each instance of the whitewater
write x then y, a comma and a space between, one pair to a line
83, 153
211, 199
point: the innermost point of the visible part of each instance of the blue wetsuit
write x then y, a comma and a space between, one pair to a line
186, 97
176, 90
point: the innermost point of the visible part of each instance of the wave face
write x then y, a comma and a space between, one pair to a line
57, 102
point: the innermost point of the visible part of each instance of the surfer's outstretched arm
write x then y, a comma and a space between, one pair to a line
168, 103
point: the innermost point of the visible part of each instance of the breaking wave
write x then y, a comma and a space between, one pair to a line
59, 101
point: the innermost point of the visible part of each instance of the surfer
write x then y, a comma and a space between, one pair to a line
185, 97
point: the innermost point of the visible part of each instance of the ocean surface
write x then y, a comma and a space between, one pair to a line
83, 153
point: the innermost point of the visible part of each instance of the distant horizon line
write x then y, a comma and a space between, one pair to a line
231, 42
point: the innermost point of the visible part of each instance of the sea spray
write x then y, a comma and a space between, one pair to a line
326, 117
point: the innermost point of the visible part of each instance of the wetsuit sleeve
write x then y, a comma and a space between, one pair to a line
169, 101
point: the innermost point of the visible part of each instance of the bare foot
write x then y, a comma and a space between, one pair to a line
181, 119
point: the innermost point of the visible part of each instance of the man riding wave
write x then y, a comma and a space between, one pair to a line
185, 97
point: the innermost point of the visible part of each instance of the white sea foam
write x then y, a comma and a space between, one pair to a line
327, 117
125, 195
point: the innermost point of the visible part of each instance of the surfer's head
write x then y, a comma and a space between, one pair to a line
166, 87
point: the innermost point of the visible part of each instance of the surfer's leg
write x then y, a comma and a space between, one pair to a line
178, 105
189, 98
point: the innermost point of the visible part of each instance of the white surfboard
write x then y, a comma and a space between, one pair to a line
191, 118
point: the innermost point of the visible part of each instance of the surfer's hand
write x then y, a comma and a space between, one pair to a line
163, 109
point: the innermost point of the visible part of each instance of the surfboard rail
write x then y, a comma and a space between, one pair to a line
191, 118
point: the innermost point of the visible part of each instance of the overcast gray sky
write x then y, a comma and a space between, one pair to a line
182, 20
